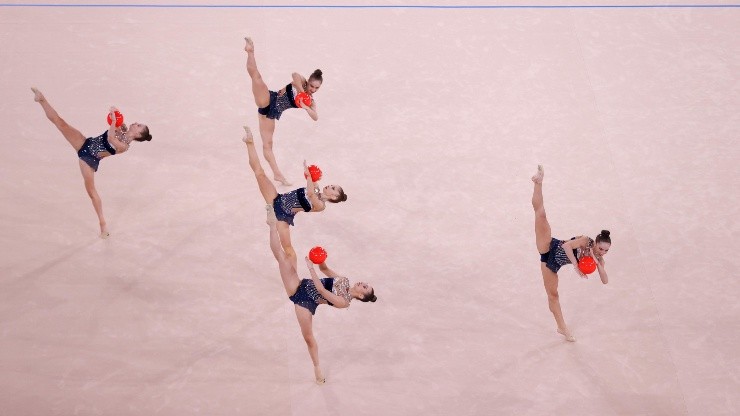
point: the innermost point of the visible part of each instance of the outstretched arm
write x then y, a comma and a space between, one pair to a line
327, 271
336, 300
316, 203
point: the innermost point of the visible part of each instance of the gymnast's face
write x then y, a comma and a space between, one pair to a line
363, 288
313, 86
602, 248
136, 130
331, 192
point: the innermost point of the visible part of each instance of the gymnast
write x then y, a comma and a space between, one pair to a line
307, 294
556, 253
91, 150
271, 104
286, 206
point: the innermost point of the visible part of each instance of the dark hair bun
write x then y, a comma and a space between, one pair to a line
146, 136
604, 236
317, 74
374, 298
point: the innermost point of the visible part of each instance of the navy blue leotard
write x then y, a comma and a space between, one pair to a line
279, 103
283, 204
91, 149
308, 296
556, 258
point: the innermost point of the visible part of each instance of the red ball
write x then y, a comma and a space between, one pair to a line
302, 96
317, 255
315, 173
587, 264
119, 119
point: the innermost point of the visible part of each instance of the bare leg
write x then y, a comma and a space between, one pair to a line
542, 231
284, 233
259, 88
267, 129
543, 235
305, 320
88, 174
551, 287
291, 283
269, 193
73, 136
262, 99
263, 182
288, 273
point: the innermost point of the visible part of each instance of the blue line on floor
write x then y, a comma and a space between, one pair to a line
400, 6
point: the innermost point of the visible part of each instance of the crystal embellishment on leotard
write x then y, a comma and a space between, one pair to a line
341, 288
91, 150
279, 102
97, 146
308, 296
123, 137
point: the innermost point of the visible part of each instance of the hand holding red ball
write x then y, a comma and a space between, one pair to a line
119, 118
587, 264
317, 255
303, 97
315, 173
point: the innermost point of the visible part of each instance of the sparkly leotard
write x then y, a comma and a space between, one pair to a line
309, 297
91, 149
283, 204
556, 258
279, 103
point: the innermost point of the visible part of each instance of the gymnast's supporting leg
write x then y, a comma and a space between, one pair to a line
550, 280
267, 130
88, 175
305, 320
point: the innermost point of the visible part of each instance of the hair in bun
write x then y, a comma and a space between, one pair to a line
604, 236
370, 297
318, 75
